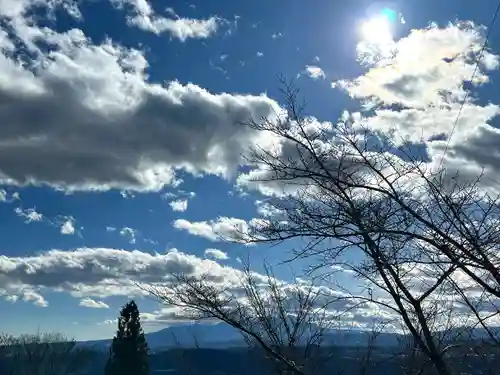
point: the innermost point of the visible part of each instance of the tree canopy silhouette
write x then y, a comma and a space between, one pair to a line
128, 353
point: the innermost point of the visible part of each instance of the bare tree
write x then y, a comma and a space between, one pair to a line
41, 354
417, 237
420, 231
286, 322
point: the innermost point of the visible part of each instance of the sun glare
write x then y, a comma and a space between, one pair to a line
377, 30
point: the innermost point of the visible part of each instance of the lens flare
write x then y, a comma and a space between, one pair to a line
390, 14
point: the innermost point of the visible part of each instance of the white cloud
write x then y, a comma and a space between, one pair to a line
414, 94
68, 226
266, 209
127, 195
93, 304
261, 178
30, 295
179, 205
428, 67
110, 229
223, 228
103, 93
145, 18
418, 89
101, 272
30, 214
16, 8
164, 316
12, 299
260, 54
109, 322
216, 254
90, 274
130, 233
4, 196
314, 72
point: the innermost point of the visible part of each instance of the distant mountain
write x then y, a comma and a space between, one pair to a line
222, 335
219, 335
187, 335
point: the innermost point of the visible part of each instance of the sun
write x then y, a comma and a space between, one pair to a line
377, 30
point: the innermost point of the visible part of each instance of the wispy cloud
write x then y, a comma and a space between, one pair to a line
30, 214
145, 18
93, 304
129, 233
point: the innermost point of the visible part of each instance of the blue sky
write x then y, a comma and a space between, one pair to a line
119, 142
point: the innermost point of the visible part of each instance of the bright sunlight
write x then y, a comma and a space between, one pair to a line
377, 30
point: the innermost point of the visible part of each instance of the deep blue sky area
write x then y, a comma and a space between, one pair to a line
70, 156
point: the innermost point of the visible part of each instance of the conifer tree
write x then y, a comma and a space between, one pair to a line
128, 352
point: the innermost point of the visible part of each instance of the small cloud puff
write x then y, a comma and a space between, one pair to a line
314, 72
68, 226
216, 254
179, 205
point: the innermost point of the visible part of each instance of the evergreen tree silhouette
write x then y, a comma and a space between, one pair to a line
128, 353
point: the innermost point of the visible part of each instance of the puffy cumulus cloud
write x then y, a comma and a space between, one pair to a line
471, 155
144, 17
417, 92
179, 205
216, 254
100, 123
263, 179
93, 304
222, 228
92, 274
416, 125
101, 272
3, 195
13, 9
68, 226
428, 67
414, 94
